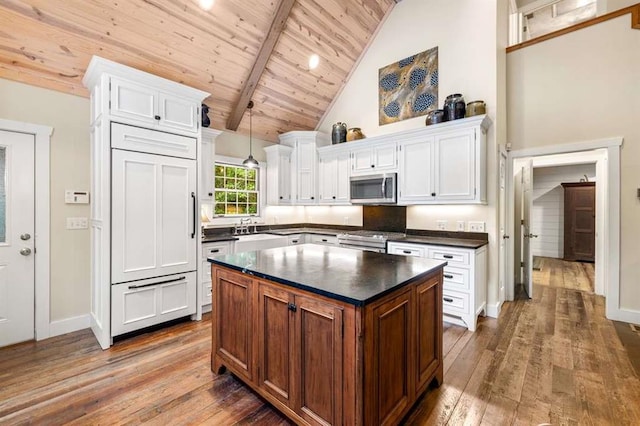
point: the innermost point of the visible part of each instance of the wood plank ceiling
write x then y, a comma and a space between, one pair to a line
49, 43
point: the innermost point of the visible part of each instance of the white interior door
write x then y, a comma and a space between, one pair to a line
527, 254
503, 234
17, 218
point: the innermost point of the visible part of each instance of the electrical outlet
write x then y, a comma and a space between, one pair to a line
460, 226
476, 226
441, 224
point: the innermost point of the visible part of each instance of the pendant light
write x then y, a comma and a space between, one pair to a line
250, 162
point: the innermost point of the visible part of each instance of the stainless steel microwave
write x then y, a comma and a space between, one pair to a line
373, 189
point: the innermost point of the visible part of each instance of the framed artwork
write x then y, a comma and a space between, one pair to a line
409, 87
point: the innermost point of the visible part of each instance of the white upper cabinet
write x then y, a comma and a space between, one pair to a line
278, 175
456, 166
334, 177
416, 180
375, 158
304, 164
444, 163
153, 108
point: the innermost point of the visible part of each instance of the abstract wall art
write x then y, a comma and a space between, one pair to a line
409, 87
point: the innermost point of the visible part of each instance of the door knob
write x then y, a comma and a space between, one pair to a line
25, 237
25, 251
530, 235
505, 237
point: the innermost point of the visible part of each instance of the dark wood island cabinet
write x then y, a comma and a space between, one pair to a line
329, 336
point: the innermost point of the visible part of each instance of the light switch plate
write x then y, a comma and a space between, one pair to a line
476, 226
441, 224
76, 197
77, 223
460, 226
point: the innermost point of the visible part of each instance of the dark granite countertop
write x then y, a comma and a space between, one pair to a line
217, 238
441, 241
353, 276
317, 231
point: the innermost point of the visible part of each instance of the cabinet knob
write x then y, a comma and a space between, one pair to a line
292, 307
334, 197
313, 198
281, 197
373, 165
433, 194
211, 194
157, 117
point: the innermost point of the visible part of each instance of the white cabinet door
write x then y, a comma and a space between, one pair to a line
455, 177
278, 175
133, 101
333, 178
211, 249
415, 175
306, 189
177, 113
148, 302
152, 108
378, 158
153, 216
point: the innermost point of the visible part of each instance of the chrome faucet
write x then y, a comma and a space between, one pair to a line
244, 225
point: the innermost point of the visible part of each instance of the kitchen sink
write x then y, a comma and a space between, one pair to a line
252, 242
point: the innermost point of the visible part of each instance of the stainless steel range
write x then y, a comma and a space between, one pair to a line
367, 240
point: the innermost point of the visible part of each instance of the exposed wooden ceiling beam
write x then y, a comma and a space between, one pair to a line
260, 63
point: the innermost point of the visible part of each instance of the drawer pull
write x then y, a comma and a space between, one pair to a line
448, 276
447, 256
214, 251
406, 251
294, 241
324, 240
132, 287
447, 299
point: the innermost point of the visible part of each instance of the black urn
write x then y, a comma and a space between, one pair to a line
205, 118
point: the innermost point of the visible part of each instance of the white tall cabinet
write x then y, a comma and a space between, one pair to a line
145, 221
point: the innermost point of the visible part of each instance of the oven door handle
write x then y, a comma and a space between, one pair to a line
384, 187
362, 248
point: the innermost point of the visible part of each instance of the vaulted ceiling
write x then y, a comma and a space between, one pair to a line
239, 50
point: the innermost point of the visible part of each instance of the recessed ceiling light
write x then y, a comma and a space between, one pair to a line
206, 4
314, 61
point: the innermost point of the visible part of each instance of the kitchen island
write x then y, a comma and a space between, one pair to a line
329, 335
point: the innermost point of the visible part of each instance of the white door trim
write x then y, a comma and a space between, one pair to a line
42, 136
611, 251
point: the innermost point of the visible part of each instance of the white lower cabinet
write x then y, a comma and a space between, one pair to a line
328, 240
297, 239
464, 293
208, 250
142, 303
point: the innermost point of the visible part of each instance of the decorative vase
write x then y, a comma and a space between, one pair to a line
339, 133
205, 118
354, 133
434, 116
454, 107
476, 108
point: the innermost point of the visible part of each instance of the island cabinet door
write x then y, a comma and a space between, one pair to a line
275, 341
318, 362
389, 366
233, 332
428, 332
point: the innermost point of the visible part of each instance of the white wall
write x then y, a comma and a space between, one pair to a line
547, 214
579, 87
471, 36
69, 117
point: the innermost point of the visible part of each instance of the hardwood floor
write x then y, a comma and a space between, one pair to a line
564, 274
551, 359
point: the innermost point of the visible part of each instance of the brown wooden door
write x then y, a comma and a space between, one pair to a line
428, 331
275, 341
234, 331
389, 374
318, 361
579, 221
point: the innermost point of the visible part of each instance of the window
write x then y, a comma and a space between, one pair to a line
236, 190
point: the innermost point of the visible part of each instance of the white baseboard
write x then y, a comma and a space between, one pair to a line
69, 325
625, 315
206, 308
493, 311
